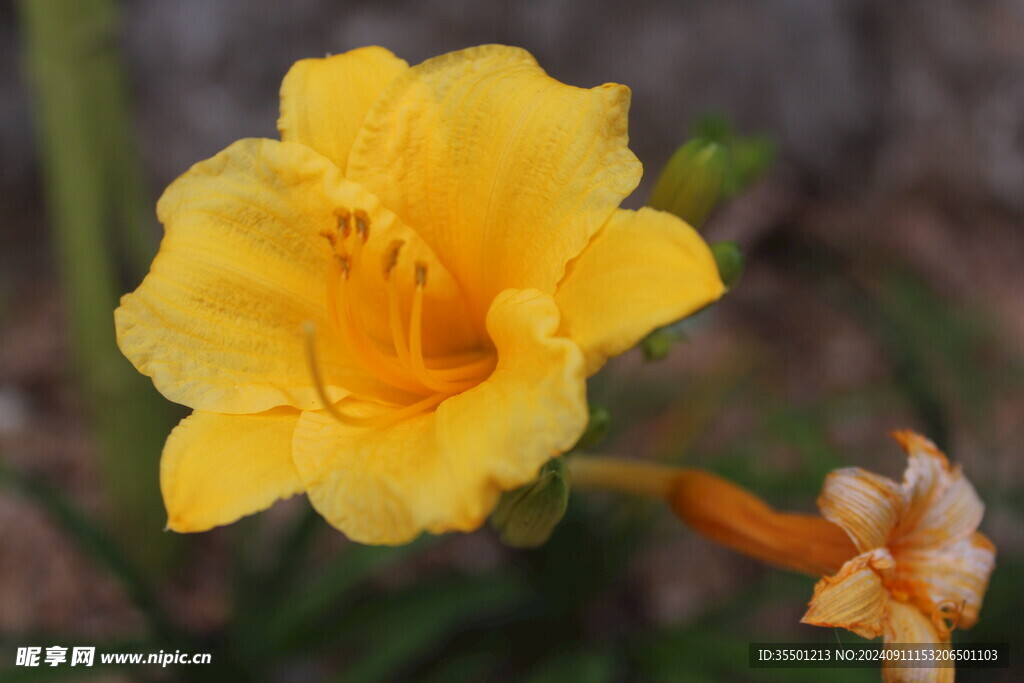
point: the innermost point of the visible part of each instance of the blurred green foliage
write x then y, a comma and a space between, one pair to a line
97, 211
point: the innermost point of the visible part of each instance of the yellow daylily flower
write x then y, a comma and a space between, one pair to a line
394, 309
922, 567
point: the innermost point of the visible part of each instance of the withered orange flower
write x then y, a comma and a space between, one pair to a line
923, 567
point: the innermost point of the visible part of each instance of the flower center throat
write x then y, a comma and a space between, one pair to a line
402, 362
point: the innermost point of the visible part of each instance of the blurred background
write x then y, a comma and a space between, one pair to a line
884, 289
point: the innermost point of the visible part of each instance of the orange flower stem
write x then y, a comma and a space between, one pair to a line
724, 513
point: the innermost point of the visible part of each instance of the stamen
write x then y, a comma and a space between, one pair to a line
391, 257
337, 272
363, 231
352, 334
458, 360
362, 224
407, 369
390, 417
395, 323
344, 223
419, 368
330, 235
309, 337
477, 370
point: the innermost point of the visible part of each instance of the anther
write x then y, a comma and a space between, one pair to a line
362, 225
346, 265
330, 235
421, 274
391, 257
344, 222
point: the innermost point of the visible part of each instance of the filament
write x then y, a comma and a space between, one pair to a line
419, 368
407, 369
309, 338
394, 309
383, 366
476, 370
384, 419
393, 416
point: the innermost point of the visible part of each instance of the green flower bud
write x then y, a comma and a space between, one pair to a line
527, 516
691, 182
597, 428
657, 344
746, 158
730, 262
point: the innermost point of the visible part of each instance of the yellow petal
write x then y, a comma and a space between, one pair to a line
217, 468
443, 471
324, 101
907, 624
532, 407
943, 508
854, 598
956, 573
866, 505
218, 321
642, 270
504, 171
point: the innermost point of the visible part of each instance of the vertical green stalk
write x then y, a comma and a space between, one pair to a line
96, 205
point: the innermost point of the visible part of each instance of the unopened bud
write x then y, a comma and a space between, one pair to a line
527, 516
597, 428
729, 260
746, 157
691, 182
